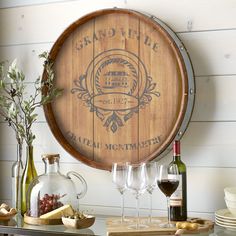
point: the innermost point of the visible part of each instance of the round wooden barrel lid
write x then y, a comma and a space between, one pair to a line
128, 88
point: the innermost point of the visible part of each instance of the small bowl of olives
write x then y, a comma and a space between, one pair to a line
78, 221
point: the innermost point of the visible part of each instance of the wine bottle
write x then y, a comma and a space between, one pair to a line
29, 174
178, 200
17, 170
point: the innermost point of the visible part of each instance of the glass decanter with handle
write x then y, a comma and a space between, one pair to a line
53, 190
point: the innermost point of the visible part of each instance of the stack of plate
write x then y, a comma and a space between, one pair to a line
225, 219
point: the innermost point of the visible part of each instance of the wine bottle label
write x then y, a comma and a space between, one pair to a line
176, 198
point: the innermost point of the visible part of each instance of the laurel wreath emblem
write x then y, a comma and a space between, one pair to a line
112, 120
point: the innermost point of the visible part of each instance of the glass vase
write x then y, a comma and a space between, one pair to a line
17, 170
29, 174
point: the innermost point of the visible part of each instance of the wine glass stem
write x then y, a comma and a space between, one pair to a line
122, 208
137, 212
150, 210
168, 209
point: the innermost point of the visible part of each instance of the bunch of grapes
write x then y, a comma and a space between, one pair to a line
49, 203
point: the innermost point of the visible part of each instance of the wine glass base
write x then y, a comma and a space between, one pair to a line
152, 221
167, 225
118, 221
140, 226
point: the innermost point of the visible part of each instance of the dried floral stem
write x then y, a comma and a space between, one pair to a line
18, 109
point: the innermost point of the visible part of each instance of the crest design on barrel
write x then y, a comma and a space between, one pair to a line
115, 87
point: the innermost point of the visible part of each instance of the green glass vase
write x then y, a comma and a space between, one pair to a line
28, 175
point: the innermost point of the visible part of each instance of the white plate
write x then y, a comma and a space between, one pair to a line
229, 223
225, 214
225, 220
225, 226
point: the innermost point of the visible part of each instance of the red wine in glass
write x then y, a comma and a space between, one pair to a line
168, 182
168, 186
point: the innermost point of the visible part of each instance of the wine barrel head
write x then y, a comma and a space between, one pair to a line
128, 88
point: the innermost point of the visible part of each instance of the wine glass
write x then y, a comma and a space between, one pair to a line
168, 181
137, 183
151, 185
119, 177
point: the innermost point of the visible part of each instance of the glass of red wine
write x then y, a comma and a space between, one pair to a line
168, 181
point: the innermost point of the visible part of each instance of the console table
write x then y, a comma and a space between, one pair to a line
98, 229
12, 227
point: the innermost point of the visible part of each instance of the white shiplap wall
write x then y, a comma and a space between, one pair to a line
208, 30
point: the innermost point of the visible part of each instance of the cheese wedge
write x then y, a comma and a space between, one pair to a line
65, 210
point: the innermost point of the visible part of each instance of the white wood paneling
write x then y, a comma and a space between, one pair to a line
44, 143
190, 15
17, 3
215, 99
184, 15
27, 58
49, 20
212, 53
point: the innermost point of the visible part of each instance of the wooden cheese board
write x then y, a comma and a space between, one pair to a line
38, 221
5, 218
114, 229
128, 88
